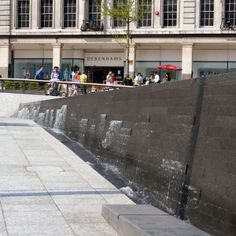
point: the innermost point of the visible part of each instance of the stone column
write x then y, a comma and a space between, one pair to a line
132, 60
107, 19
35, 14
82, 14
156, 14
187, 60
4, 59
57, 54
57, 14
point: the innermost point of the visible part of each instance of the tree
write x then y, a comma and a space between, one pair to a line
125, 12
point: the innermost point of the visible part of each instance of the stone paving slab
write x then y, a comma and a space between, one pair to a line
146, 220
45, 189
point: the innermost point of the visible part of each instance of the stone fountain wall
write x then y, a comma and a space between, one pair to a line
176, 140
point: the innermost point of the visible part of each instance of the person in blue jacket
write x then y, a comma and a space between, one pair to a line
39, 73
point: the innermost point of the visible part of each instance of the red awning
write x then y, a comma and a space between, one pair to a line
169, 67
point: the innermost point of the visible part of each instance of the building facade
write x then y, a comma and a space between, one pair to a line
198, 35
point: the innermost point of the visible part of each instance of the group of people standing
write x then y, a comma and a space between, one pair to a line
77, 76
56, 75
139, 79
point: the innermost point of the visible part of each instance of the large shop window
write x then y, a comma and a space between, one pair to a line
26, 68
46, 13
119, 4
230, 11
69, 13
23, 13
170, 13
205, 68
207, 13
145, 10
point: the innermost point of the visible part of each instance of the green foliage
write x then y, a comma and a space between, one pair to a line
126, 11
21, 85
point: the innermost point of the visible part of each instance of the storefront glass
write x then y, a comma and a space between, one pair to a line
232, 66
148, 68
204, 68
26, 68
67, 64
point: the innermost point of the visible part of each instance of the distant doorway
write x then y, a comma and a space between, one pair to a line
98, 74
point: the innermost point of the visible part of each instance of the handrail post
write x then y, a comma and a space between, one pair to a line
67, 90
23, 87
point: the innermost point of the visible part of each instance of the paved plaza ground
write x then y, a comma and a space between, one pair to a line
45, 189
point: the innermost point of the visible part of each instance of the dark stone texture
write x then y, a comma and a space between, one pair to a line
177, 140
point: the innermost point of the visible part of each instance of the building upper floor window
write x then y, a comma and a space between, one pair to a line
145, 9
207, 13
118, 22
69, 13
46, 13
23, 13
169, 13
95, 11
230, 12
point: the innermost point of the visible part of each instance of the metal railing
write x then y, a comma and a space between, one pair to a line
227, 24
34, 86
91, 25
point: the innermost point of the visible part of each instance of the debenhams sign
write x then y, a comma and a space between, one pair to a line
104, 59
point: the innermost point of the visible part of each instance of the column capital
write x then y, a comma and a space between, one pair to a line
187, 45
4, 45
57, 45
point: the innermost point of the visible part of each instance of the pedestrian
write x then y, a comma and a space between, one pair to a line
55, 87
167, 77
113, 78
83, 79
39, 73
109, 78
137, 79
156, 78
128, 81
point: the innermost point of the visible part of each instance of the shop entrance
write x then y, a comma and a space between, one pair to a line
98, 74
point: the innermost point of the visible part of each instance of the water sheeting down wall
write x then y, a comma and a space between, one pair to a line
177, 140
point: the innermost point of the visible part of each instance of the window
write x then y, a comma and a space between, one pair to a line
30, 66
95, 11
46, 10
169, 13
145, 9
207, 13
230, 12
69, 13
23, 13
118, 22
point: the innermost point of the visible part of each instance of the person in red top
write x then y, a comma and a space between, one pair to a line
113, 78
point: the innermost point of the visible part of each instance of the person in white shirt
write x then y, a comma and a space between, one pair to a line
156, 78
